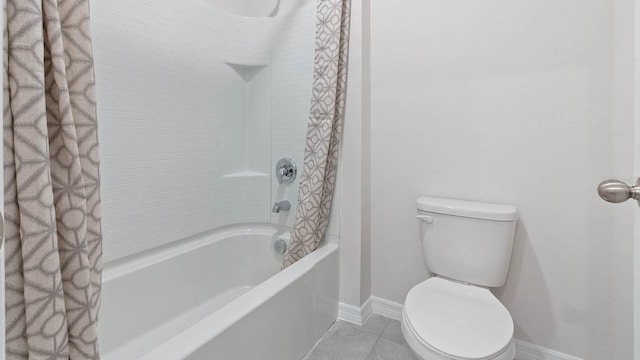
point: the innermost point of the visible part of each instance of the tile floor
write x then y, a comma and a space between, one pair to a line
379, 338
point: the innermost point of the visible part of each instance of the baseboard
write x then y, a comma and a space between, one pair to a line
355, 315
529, 351
373, 305
393, 310
386, 308
366, 310
349, 313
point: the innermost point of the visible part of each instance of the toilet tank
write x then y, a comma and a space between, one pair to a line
467, 241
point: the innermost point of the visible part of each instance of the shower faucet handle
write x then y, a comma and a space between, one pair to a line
286, 170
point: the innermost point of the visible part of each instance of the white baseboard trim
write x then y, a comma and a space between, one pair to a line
355, 315
349, 313
529, 351
393, 310
373, 305
367, 310
386, 308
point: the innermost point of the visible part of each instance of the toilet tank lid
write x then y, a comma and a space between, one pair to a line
470, 209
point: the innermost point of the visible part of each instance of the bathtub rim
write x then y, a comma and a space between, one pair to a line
117, 268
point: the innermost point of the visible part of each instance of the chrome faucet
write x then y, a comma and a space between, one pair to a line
283, 205
286, 170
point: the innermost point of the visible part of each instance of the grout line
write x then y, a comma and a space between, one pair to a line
380, 335
373, 347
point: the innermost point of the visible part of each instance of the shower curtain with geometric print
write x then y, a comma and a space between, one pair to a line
51, 181
324, 130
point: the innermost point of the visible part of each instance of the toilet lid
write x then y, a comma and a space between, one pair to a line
459, 320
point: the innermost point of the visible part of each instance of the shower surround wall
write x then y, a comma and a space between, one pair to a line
188, 98
292, 72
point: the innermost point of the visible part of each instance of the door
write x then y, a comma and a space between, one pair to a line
636, 211
626, 229
625, 151
625, 167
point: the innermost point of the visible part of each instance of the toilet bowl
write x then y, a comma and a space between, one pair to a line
443, 319
453, 315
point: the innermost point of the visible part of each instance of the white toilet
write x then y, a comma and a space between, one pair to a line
453, 315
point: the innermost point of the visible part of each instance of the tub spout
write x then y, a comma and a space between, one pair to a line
284, 205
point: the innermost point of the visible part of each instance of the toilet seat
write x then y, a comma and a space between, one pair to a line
451, 320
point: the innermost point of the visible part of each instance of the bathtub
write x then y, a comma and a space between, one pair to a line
218, 296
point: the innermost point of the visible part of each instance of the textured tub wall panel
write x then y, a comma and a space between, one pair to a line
173, 120
257, 8
176, 118
258, 126
292, 76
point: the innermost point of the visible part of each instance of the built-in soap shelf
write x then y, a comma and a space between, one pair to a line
246, 71
245, 174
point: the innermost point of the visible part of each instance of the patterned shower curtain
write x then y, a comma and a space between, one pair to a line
324, 131
51, 182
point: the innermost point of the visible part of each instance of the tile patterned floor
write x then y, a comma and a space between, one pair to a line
379, 338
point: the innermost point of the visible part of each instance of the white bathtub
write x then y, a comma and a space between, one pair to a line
218, 296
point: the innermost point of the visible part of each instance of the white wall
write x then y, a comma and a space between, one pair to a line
189, 97
507, 102
351, 171
365, 157
354, 171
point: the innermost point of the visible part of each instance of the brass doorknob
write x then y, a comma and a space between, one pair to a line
616, 191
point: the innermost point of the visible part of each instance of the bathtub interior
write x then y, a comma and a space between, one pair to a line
148, 299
